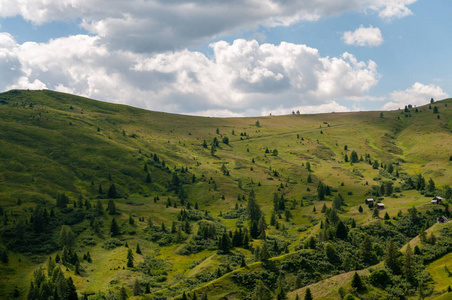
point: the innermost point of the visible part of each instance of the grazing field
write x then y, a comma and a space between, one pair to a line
183, 189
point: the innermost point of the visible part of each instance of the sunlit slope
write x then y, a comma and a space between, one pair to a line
58, 142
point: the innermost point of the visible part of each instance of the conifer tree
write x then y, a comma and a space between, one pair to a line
114, 229
409, 264
261, 291
138, 251
111, 207
357, 282
391, 257
264, 253
129, 258
137, 288
253, 208
308, 295
112, 192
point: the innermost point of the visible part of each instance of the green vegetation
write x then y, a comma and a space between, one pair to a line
103, 200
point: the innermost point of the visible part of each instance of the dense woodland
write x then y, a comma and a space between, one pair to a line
102, 201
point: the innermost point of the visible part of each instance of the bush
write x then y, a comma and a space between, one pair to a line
112, 243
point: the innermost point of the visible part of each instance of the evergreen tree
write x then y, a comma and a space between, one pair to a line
112, 194
264, 254
253, 208
409, 264
261, 292
111, 207
138, 251
280, 292
360, 209
129, 258
123, 294
137, 288
308, 295
71, 291
391, 257
114, 229
357, 282
376, 213
99, 208
341, 231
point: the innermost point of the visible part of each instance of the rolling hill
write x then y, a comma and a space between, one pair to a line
64, 160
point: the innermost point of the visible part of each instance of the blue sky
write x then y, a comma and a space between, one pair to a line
235, 58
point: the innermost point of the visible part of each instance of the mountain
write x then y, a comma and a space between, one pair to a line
65, 159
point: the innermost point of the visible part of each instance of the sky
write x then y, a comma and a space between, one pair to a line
231, 58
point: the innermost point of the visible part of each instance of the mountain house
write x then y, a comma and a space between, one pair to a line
380, 206
369, 200
437, 200
442, 219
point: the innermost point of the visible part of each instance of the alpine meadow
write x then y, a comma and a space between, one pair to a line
107, 201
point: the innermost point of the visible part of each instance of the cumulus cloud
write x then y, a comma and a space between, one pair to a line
363, 36
417, 94
241, 78
390, 9
160, 25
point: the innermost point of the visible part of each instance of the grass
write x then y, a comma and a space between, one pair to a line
53, 142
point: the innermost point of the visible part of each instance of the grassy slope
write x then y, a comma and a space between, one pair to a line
54, 146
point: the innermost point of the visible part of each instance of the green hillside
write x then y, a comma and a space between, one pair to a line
180, 186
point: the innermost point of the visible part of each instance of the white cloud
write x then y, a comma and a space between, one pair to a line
363, 36
391, 9
159, 25
418, 94
244, 77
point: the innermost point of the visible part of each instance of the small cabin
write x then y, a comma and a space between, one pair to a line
442, 219
437, 200
369, 200
380, 206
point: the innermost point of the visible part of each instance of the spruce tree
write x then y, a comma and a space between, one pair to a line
253, 208
391, 257
138, 251
308, 295
111, 207
114, 229
137, 288
261, 292
357, 282
129, 258
409, 264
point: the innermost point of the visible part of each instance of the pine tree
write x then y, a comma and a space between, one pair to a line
111, 207
137, 288
341, 231
114, 229
99, 208
253, 208
409, 264
123, 294
308, 295
360, 209
129, 258
261, 291
71, 291
391, 257
138, 251
264, 254
112, 192
376, 213
357, 282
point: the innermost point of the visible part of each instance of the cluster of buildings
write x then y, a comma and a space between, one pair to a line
436, 200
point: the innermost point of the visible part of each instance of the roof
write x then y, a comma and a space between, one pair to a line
380, 204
